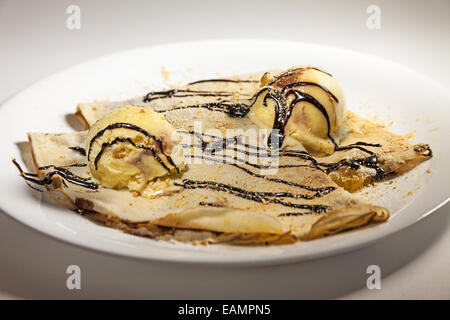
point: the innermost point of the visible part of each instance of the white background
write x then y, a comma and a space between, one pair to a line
34, 42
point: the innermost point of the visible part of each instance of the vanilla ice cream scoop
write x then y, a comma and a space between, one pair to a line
131, 146
306, 103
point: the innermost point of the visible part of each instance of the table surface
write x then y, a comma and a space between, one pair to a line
35, 42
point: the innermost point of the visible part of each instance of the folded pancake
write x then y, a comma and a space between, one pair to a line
290, 183
235, 201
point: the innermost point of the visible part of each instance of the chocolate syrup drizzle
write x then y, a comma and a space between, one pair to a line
106, 145
261, 197
80, 150
278, 122
236, 110
292, 71
223, 80
182, 93
292, 214
59, 171
220, 142
223, 143
131, 127
318, 191
284, 214
307, 83
210, 204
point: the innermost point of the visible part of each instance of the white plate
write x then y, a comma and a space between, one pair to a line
372, 87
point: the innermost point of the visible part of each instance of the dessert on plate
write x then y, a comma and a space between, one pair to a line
266, 158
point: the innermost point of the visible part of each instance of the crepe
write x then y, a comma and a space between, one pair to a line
223, 212
230, 199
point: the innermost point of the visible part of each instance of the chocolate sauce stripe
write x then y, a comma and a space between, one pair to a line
284, 214
369, 162
278, 122
210, 204
183, 93
249, 195
175, 91
80, 150
64, 169
106, 145
291, 71
186, 95
263, 197
223, 80
60, 171
69, 177
294, 214
339, 148
210, 150
359, 145
125, 125
353, 163
232, 110
320, 191
229, 160
235, 110
307, 83
65, 166
299, 154
25, 175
